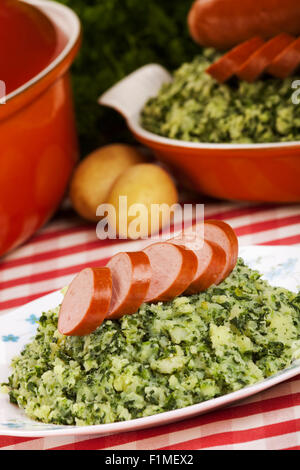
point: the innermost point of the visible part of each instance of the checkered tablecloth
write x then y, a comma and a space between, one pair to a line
270, 420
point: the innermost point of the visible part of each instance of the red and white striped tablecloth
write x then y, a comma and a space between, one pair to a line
270, 420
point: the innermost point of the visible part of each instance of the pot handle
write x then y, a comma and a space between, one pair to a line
130, 94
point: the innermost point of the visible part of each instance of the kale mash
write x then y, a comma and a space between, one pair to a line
165, 356
196, 108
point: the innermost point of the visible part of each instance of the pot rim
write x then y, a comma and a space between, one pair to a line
73, 36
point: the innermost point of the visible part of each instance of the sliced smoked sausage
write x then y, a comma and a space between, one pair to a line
225, 24
260, 60
86, 302
131, 275
173, 270
211, 261
221, 233
226, 67
287, 62
214, 257
213, 231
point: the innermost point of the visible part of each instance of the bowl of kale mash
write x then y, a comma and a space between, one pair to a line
236, 141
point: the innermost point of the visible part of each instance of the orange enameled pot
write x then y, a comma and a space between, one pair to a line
38, 141
245, 172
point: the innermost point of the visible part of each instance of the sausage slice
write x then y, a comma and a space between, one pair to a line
225, 67
86, 302
287, 62
131, 274
223, 235
211, 261
173, 270
258, 62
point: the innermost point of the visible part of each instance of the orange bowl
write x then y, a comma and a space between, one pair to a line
262, 173
245, 172
38, 139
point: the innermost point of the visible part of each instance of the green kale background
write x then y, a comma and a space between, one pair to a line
118, 37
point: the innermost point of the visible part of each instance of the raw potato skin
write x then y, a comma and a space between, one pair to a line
142, 184
96, 174
225, 24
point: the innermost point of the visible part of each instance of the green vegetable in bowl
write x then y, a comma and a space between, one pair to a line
196, 108
118, 37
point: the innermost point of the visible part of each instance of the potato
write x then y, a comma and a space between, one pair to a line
145, 184
95, 175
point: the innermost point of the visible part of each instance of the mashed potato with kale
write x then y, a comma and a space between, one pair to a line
166, 356
196, 108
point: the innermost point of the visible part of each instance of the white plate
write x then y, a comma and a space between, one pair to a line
280, 266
